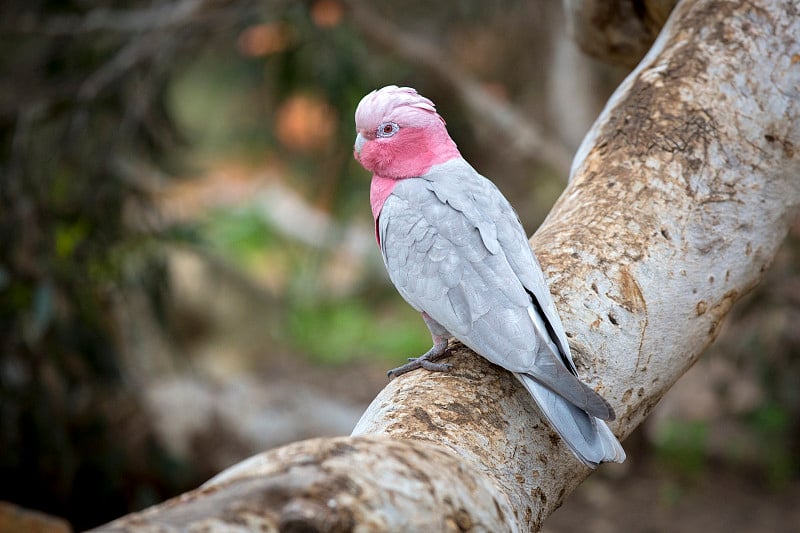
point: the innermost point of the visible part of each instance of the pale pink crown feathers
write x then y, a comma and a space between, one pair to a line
395, 104
399, 135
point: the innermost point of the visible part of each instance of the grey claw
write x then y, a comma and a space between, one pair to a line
436, 367
424, 361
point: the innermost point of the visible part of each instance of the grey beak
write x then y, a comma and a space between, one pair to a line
360, 142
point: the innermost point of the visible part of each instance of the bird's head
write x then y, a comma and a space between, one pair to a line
400, 134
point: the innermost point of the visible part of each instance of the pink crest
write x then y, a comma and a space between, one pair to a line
417, 141
396, 104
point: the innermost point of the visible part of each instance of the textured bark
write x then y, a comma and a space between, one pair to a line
679, 197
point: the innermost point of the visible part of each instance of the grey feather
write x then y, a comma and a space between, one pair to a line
455, 249
587, 437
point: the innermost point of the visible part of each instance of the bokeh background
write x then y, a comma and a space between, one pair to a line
187, 265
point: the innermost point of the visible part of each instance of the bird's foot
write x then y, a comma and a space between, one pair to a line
425, 361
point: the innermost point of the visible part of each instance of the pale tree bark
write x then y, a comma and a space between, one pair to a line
680, 195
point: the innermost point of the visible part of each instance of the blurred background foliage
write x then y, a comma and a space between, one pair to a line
187, 262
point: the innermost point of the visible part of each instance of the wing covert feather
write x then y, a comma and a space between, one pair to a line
467, 263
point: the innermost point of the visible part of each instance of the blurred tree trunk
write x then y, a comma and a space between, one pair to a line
680, 196
616, 31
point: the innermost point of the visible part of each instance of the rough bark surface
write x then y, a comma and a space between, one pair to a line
679, 197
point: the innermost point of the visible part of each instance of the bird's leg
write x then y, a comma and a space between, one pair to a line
426, 360
439, 349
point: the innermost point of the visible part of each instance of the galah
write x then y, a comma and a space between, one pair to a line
456, 251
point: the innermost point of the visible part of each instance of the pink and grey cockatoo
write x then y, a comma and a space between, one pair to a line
456, 251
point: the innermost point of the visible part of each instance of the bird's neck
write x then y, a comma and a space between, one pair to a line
413, 158
379, 190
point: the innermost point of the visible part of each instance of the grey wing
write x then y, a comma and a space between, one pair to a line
443, 253
555, 359
523, 262
439, 263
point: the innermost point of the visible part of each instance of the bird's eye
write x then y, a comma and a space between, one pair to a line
387, 129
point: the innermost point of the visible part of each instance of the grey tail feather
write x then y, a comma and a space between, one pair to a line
572, 389
588, 437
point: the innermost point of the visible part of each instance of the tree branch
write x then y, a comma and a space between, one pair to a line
519, 133
140, 20
616, 31
681, 194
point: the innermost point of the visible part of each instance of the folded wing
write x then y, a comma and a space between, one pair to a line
455, 249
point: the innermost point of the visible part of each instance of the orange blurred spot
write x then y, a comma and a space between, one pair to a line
327, 13
264, 39
305, 123
795, 59
497, 89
